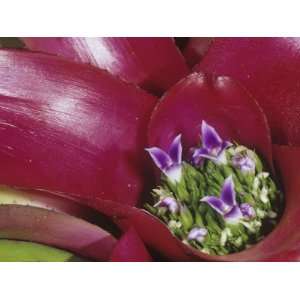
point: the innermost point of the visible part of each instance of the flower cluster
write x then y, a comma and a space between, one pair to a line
221, 201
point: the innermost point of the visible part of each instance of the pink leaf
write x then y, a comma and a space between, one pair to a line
55, 229
130, 248
71, 128
269, 69
221, 102
153, 63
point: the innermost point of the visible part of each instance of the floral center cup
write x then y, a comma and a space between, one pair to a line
220, 200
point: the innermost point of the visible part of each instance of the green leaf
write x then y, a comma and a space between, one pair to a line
18, 251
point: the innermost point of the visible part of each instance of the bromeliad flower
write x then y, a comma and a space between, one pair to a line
244, 162
170, 203
213, 147
247, 210
170, 163
227, 206
197, 234
194, 221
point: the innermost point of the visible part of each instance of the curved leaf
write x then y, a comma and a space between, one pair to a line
46, 200
270, 69
153, 63
71, 128
18, 251
130, 248
221, 102
59, 230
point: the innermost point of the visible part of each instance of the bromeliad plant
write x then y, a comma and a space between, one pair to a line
222, 201
64, 128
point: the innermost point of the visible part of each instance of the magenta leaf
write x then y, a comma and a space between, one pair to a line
71, 128
60, 230
153, 63
269, 69
130, 248
221, 102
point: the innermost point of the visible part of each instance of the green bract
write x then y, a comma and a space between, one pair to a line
18, 251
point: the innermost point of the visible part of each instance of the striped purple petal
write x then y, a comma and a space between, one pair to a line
213, 147
160, 158
175, 150
198, 155
197, 234
226, 144
169, 163
244, 163
170, 203
234, 215
210, 138
216, 203
174, 172
228, 192
247, 211
220, 158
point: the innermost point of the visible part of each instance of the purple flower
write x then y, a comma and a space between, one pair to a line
197, 234
213, 147
247, 210
226, 204
244, 163
170, 203
170, 163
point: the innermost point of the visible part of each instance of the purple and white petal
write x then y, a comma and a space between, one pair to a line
221, 158
175, 151
218, 205
234, 215
243, 163
169, 163
210, 138
197, 234
174, 172
228, 192
198, 156
161, 159
226, 144
170, 203
247, 211
213, 147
